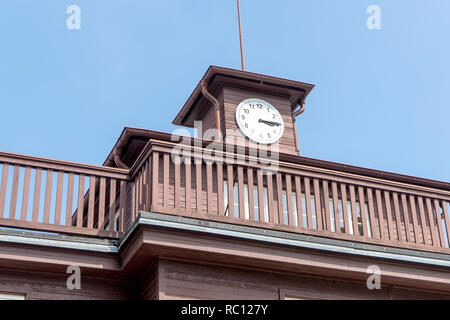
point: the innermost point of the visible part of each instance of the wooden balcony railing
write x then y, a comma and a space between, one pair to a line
322, 200
64, 197
297, 198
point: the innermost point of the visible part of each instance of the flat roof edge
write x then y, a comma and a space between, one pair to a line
213, 71
291, 239
53, 240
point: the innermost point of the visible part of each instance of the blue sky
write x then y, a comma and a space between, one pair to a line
381, 98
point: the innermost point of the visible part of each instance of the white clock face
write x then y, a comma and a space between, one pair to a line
259, 121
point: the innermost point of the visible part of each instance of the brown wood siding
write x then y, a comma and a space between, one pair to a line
148, 283
51, 286
183, 280
208, 121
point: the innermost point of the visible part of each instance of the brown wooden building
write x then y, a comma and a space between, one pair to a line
221, 217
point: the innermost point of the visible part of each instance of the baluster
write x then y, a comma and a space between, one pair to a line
439, 222
198, 184
80, 209
362, 211
177, 181
48, 195
308, 203
155, 182
144, 190
446, 218
406, 216
91, 202
326, 197
317, 198
353, 208
397, 217
269, 178
101, 203
380, 213
261, 204
209, 187
422, 220
434, 237
123, 205
371, 210
335, 196
387, 201
14, 191
149, 191
414, 218
230, 179
3, 189
240, 171
187, 172
59, 191
69, 203
298, 190
37, 195
26, 191
166, 180
279, 183
345, 208
251, 204
112, 204
138, 193
289, 200
220, 191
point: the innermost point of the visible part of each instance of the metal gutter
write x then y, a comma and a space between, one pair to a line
214, 101
58, 241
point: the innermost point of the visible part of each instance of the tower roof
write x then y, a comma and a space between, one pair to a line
217, 76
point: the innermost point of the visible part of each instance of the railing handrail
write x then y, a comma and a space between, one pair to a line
63, 165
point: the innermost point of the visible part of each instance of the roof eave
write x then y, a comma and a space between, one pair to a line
244, 75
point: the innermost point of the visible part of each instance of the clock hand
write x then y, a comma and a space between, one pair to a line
270, 123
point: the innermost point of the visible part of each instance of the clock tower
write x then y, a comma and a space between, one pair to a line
255, 108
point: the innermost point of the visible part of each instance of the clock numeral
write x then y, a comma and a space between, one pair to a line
246, 125
247, 111
243, 117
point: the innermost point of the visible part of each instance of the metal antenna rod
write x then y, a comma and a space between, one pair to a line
240, 34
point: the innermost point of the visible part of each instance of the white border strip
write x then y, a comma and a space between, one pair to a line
66, 244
